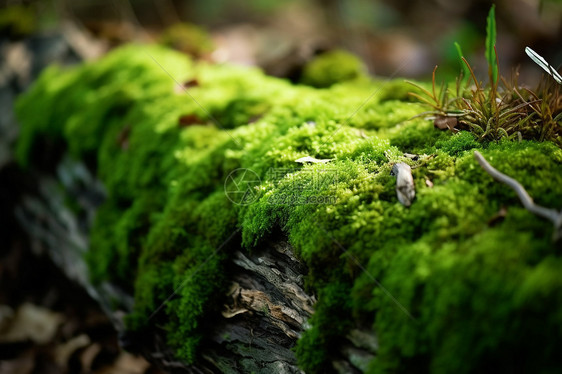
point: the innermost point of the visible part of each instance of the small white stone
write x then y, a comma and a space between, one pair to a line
313, 160
405, 189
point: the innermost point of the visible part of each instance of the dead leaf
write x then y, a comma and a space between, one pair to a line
179, 89
126, 363
24, 364
446, 123
429, 183
34, 323
88, 356
191, 83
189, 119
498, 217
65, 350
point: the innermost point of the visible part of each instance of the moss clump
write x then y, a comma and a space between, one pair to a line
321, 340
332, 67
17, 21
468, 293
188, 38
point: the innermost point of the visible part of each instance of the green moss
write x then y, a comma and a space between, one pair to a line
187, 38
457, 329
312, 347
17, 20
458, 143
332, 67
478, 290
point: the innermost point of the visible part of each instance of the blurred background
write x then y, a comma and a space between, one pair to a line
47, 326
279, 35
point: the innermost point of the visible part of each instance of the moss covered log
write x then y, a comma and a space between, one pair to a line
464, 280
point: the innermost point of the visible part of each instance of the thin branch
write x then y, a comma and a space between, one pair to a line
554, 216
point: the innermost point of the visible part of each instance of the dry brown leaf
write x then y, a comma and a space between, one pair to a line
498, 217
34, 323
64, 351
126, 363
189, 119
88, 356
24, 364
446, 123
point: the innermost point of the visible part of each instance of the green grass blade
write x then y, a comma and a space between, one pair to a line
490, 44
465, 71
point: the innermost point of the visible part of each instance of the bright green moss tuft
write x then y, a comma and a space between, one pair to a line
458, 143
479, 287
188, 38
332, 67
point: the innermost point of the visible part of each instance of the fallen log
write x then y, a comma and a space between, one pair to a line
214, 251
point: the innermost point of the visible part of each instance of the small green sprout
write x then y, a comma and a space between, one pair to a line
491, 55
491, 111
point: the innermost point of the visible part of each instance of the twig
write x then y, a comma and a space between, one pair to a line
554, 216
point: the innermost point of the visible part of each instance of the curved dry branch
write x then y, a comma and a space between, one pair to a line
554, 216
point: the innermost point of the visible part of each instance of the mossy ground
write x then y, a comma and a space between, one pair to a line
481, 293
